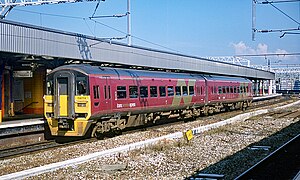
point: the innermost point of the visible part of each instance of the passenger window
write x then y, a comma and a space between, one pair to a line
143, 91
153, 91
170, 91
96, 92
121, 92
220, 89
184, 90
234, 90
227, 89
162, 91
109, 96
191, 90
224, 90
133, 91
231, 89
178, 91
241, 89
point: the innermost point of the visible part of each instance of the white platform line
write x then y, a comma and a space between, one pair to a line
24, 123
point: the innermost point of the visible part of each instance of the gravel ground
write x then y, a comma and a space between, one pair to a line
168, 159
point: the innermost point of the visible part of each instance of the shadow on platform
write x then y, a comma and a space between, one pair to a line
230, 166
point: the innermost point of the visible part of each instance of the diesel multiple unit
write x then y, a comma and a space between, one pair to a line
85, 100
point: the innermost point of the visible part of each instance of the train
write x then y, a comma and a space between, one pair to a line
85, 100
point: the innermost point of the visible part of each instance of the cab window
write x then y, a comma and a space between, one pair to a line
81, 87
50, 88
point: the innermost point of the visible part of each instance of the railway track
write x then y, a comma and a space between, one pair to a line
283, 163
20, 150
29, 148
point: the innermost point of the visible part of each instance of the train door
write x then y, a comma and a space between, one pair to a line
107, 103
63, 102
62, 84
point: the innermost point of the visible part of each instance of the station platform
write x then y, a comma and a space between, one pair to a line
22, 126
266, 97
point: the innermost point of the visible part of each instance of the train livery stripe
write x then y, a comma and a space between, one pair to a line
186, 99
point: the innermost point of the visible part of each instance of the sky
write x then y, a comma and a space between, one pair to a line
201, 28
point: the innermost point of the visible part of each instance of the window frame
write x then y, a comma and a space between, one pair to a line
96, 91
193, 90
178, 91
133, 95
160, 91
121, 92
170, 93
153, 91
142, 90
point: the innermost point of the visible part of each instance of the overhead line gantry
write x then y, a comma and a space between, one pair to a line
7, 5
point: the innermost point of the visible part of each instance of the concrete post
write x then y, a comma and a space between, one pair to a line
260, 87
263, 87
256, 87
270, 86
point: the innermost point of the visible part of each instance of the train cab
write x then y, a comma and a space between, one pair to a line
67, 102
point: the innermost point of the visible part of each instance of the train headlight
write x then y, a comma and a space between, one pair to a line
81, 104
50, 104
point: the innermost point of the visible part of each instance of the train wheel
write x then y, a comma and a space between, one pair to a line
99, 136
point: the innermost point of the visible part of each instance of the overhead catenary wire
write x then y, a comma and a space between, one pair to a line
269, 54
284, 1
101, 23
255, 30
284, 13
288, 33
97, 5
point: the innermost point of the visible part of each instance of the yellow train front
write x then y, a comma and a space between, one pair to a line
67, 106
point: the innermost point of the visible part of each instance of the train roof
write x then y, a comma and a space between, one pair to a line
226, 78
88, 69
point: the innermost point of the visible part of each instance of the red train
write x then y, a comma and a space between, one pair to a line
88, 100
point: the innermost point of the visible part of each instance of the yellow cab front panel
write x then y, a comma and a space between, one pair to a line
67, 103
